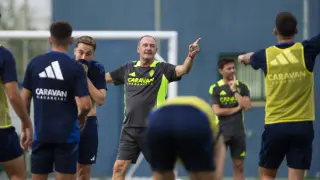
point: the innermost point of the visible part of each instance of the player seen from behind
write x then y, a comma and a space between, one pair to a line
53, 80
288, 68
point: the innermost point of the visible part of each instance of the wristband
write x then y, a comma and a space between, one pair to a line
191, 56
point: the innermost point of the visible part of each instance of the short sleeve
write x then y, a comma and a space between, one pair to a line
81, 84
170, 72
258, 60
214, 98
244, 90
8, 71
118, 75
312, 46
27, 81
311, 51
99, 75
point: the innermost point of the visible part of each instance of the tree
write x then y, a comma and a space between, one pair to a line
17, 17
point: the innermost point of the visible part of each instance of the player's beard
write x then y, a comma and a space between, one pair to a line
230, 77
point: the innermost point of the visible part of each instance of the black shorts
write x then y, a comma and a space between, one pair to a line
290, 140
180, 132
62, 157
88, 146
237, 145
10, 145
132, 142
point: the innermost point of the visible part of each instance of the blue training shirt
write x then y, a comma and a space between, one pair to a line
55, 79
311, 50
8, 70
96, 73
8, 74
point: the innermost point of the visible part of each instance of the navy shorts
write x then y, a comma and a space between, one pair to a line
180, 132
290, 140
10, 145
61, 157
88, 146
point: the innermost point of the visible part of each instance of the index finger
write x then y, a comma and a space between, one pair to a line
197, 41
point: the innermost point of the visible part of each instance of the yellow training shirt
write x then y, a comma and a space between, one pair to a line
5, 120
289, 86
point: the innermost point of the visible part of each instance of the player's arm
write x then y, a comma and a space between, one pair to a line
311, 51
26, 92
98, 95
116, 76
219, 157
82, 94
312, 45
257, 59
224, 111
9, 78
216, 104
185, 68
84, 105
98, 89
26, 97
243, 98
16, 101
245, 58
108, 78
243, 101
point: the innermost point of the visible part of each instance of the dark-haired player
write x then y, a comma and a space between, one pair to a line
11, 154
184, 128
229, 97
88, 147
288, 67
145, 82
53, 80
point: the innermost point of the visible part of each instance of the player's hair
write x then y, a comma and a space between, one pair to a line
224, 61
88, 40
146, 36
61, 32
286, 24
